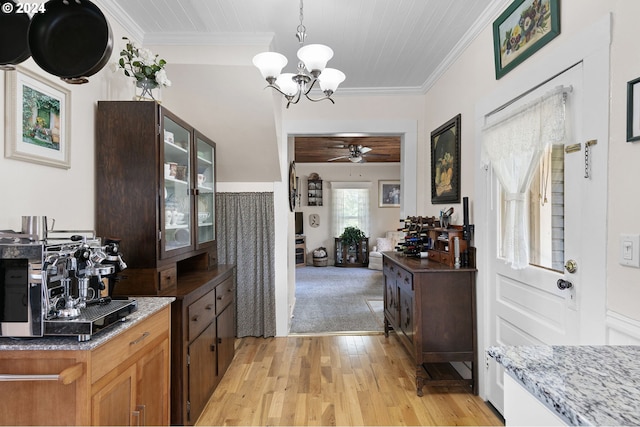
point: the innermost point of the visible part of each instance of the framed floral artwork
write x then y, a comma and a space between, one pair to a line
37, 126
445, 162
521, 30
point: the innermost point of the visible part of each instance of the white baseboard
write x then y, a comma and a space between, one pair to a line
622, 330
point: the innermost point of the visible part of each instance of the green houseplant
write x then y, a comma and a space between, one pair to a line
351, 236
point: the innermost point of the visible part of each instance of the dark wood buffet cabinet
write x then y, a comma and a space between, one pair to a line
155, 190
432, 308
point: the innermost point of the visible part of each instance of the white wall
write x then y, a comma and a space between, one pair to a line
381, 219
623, 283
68, 195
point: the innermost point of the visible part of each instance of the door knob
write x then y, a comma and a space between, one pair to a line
571, 266
564, 284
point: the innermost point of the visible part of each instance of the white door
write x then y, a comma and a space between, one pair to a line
527, 307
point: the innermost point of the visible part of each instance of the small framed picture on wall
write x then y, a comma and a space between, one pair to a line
388, 194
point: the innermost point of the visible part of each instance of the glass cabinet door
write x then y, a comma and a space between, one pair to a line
206, 186
177, 208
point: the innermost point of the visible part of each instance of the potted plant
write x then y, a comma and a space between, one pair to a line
352, 236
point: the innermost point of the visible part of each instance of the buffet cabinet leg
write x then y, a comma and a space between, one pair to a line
420, 380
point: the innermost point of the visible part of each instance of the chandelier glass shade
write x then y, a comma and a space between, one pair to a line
312, 64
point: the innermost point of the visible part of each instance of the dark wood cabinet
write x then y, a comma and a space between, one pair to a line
444, 244
203, 339
356, 255
155, 190
432, 308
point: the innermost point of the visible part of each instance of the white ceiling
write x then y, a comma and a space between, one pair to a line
381, 45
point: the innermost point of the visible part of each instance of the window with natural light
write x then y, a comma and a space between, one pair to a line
350, 207
545, 212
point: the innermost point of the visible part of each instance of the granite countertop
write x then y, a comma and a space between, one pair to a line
147, 306
585, 385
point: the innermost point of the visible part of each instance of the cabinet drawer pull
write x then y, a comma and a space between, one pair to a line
219, 298
209, 307
140, 414
141, 338
66, 377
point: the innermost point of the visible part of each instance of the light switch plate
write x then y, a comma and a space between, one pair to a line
630, 250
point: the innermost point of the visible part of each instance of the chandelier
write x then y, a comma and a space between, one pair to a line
311, 69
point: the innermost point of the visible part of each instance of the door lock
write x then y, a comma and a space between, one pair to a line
564, 284
571, 266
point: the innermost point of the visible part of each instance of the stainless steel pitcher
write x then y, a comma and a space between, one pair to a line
36, 226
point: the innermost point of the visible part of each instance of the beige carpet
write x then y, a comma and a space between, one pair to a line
335, 299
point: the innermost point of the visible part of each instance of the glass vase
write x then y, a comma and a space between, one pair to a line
146, 90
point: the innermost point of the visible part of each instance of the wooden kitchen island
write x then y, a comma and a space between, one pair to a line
432, 308
119, 377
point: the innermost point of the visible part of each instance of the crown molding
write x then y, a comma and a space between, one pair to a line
485, 19
122, 18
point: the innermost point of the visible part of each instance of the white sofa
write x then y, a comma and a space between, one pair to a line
384, 244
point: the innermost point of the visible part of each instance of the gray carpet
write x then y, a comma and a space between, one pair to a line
335, 299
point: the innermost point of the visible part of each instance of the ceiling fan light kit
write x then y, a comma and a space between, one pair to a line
311, 69
356, 154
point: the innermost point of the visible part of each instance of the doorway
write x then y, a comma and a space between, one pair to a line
333, 299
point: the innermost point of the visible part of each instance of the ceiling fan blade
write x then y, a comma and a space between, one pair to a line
364, 150
338, 158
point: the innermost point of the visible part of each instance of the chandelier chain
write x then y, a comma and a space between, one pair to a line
301, 31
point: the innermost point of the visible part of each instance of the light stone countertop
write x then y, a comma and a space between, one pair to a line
584, 385
147, 306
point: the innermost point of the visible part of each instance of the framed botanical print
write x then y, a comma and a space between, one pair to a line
37, 127
521, 30
445, 162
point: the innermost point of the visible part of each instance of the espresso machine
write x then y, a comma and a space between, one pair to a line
60, 285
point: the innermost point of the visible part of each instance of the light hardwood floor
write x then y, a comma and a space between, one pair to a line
334, 380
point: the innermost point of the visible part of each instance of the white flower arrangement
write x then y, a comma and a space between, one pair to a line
141, 63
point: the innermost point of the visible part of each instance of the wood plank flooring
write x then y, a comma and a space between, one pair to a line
334, 380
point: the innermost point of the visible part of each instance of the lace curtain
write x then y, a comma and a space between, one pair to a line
246, 237
350, 206
513, 146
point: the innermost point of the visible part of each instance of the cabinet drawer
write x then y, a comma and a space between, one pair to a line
201, 313
224, 295
446, 258
168, 279
134, 340
434, 256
